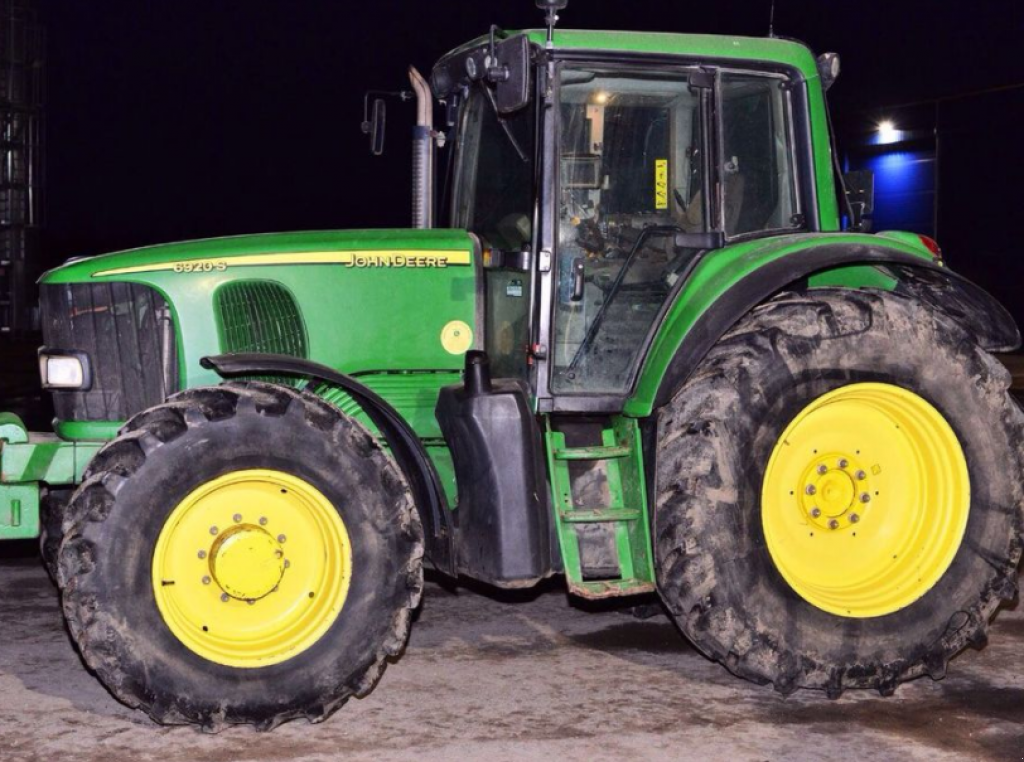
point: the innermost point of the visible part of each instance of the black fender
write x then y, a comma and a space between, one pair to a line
927, 280
406, 447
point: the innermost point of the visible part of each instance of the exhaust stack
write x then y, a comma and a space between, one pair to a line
422, 153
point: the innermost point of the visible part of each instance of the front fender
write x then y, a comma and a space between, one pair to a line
730, 283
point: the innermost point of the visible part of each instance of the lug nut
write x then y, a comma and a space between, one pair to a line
843, 462
833, 524
865, 497
202, 554
281, 538
224, 597
250, 601
263, 521
861, 476
213, 530
854, 518
237, 517
815, 512
206, 580
287, 563
822, 469
810, 489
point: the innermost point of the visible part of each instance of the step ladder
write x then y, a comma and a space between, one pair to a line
626, 517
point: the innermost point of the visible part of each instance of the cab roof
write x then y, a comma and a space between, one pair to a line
769, 50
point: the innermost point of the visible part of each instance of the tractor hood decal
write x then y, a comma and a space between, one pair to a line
367, 259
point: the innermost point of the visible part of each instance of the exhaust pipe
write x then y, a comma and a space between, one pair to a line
422, 153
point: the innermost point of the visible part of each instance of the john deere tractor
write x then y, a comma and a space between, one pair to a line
644, 353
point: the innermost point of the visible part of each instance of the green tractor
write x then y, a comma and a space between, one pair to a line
643, 354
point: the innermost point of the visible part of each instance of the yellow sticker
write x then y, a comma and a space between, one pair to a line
661, 184
456, 337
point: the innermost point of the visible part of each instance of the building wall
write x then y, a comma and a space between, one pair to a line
21, 161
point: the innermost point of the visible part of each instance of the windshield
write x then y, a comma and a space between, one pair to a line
494, 174
631, 179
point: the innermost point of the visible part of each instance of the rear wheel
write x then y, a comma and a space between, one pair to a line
839, 496
241, 554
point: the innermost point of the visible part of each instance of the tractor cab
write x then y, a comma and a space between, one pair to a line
596, 180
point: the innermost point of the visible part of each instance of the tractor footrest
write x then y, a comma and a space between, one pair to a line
600, 515
610, 588
592, 453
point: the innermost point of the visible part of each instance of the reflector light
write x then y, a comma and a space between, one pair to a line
932, 245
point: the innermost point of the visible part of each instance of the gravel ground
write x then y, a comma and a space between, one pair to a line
531, 676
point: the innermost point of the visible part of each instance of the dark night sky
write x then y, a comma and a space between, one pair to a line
192, 118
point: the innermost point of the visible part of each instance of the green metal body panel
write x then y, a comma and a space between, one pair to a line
718, 272
362, 314
26, 460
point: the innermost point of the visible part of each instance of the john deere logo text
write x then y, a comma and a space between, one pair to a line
399, 260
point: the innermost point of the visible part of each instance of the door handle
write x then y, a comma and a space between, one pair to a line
577, 280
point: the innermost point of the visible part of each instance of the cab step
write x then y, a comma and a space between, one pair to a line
599, 515
593, 453
618, 533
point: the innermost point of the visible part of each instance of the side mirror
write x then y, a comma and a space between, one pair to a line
860, 193
828, 69
374, 127
506, 65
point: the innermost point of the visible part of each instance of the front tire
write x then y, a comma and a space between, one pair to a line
240, 554
741, 505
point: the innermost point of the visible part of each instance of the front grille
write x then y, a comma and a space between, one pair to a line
126, 330
260, 316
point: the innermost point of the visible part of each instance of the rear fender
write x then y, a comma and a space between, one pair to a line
702, 313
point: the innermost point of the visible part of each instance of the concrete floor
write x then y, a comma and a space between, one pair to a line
526, 677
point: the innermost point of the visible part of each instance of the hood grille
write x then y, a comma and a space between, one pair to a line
260, 316
127, 331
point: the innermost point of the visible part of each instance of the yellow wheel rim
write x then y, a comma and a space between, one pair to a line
865, 500
252, 568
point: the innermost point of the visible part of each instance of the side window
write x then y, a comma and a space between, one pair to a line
494, 186
757, 170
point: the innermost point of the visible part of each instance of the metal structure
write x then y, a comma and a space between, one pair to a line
22, 46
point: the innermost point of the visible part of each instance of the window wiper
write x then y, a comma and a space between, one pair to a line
504, 124
616, 285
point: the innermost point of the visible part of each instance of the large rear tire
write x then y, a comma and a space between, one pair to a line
839, 500
240, 554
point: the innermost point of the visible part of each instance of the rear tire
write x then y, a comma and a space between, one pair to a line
716, 571
124, 534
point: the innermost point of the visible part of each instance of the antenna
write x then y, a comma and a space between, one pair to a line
552, 7
771, 21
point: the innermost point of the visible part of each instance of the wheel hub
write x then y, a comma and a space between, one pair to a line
247, 562
835, 491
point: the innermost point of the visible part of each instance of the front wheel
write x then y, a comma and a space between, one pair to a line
839, 494
241, 554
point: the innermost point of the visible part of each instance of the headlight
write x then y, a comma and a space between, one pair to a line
59, 369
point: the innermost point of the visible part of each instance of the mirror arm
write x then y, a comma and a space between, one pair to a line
402, 95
